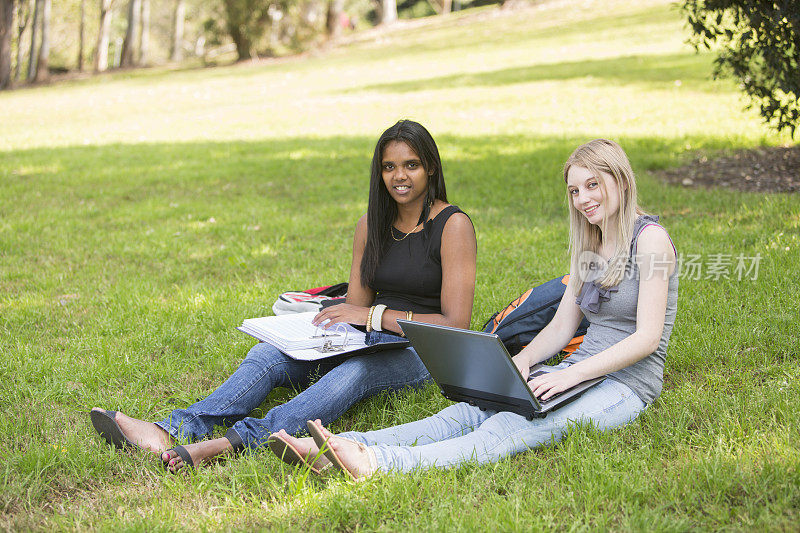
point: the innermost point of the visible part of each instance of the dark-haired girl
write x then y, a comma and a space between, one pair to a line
414, 256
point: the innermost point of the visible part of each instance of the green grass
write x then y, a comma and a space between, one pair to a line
143, 215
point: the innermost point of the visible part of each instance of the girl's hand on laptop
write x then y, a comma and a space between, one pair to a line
552, 383
523, 366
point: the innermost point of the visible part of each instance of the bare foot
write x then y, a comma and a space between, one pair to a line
307, 449
200, 452
144, 434
347, 454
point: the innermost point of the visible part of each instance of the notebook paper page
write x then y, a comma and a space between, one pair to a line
295, 331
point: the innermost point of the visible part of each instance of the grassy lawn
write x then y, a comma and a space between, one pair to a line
143, 215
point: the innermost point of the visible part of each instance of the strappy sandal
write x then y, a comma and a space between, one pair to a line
291, 455
105, 424
322, 442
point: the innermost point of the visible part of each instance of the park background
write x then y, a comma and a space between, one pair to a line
145, 213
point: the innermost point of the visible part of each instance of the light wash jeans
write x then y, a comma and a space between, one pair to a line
461, 433
331, 386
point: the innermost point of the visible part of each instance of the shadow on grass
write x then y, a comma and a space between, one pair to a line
654, 71
302, 170
294, 173
187, 212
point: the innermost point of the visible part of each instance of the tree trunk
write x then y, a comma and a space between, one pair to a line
144, 35
447, 6
34, 39
23, 16
333, 22
101, 54
128, 58
237, 29
6, 30
82, 37
177, 33
43, 64
388, 11
117, 52
244, 49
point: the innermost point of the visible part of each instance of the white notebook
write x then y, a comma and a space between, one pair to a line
298, 338
295, 331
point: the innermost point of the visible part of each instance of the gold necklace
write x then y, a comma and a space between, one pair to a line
407, 234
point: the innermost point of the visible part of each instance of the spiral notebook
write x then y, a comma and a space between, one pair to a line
297, 337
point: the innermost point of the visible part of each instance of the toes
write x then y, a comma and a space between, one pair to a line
172, 462
322, 427
168, 456
327, 434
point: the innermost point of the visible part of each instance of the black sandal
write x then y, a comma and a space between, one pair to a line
183, 453
105, 424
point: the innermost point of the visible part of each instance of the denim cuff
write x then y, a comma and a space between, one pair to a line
166, 426
382, 458
236, 441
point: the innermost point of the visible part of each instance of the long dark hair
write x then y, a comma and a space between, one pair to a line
382, 209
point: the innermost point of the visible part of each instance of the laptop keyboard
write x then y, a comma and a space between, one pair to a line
540, 373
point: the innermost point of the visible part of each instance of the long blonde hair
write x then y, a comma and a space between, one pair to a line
602, 158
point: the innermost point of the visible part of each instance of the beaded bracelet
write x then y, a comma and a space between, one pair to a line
369, 318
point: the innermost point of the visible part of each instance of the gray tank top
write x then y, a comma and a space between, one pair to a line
612, 317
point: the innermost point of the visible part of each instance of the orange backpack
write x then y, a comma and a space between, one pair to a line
523, 319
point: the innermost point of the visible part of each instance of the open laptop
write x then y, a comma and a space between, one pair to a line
475, 367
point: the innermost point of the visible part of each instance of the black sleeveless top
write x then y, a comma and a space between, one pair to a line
409, 275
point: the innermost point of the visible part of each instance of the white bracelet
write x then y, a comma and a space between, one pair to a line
377, 317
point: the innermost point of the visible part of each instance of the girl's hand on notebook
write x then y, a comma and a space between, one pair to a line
351, 314
552, 383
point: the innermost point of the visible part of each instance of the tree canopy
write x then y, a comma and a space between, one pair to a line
759, 45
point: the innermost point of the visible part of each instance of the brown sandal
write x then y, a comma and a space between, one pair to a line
290, 455
330, 453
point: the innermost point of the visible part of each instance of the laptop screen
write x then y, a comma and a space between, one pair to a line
469, 363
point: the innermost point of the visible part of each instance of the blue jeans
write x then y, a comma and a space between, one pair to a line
461, 433
331, 386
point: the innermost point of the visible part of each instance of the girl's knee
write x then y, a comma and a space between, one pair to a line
264, 354
507, 424
361, 372
463, 415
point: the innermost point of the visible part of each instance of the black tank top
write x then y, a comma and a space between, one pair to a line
409, 275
